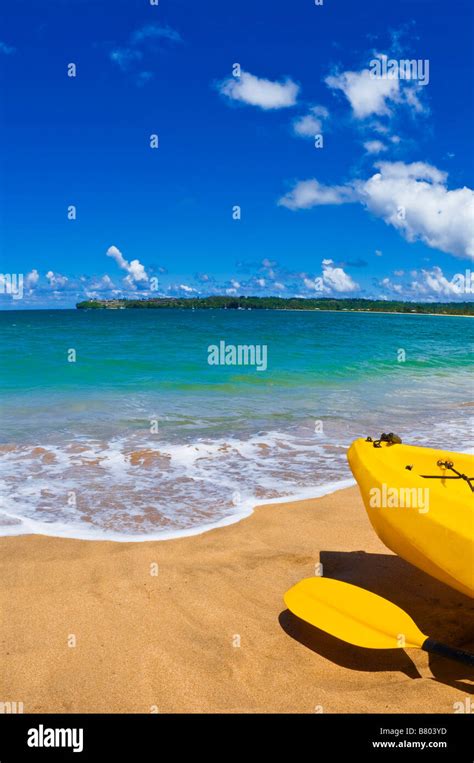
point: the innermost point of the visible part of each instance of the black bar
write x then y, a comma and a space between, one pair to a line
138, 738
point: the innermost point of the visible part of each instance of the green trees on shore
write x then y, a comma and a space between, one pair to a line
280, 303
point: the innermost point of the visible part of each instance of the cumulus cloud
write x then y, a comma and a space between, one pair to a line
413, 198
336, 279
388, 284
256, 91
430, 284
369, 95
135, 269
311, 193
332, 279
265, 274
56, 280
366, 95
374, 146
379, 127
32, 278
103, 284
435, 282
310, 124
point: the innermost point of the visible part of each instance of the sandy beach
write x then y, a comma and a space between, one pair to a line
209, 632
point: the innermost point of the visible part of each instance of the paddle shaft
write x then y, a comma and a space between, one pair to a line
460, 655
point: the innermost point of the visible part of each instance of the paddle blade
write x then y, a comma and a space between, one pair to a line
353, 614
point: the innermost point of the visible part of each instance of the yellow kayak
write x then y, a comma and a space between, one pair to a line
421, 505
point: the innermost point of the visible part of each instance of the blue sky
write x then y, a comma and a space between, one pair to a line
381, 209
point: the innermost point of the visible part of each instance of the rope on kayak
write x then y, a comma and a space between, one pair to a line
394, 439
390, 439
457, 475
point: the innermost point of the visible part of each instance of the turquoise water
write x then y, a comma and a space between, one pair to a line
141, 437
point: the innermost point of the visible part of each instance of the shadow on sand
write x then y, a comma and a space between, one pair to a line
439, 612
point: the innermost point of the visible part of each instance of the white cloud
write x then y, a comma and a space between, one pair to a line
125, 57
366, 94
311, 124
388, 284
311, 193
380, 128
369, 95
412, 171
411, 97
136, 271
336, 279
378, 253
374, 146
129, 54
413, 198
32, 278
98, 284
264, 93
332, 279
235, 284
56, 280
435, 282
429, 284
154, 32
187, 289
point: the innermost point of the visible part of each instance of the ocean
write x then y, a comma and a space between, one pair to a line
115, 425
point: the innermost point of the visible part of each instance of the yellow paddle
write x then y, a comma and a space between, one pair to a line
362, 618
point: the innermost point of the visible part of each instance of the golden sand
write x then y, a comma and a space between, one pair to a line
209, 632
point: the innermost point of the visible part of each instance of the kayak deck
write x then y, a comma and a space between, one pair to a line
419, 507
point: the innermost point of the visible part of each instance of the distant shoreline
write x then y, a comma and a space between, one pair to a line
267, 309
292, 304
